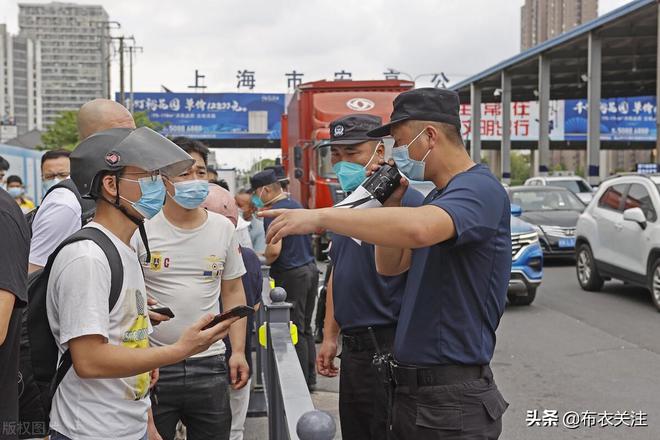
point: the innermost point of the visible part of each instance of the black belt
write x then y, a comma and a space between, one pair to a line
276, 271
415, 377
360, 339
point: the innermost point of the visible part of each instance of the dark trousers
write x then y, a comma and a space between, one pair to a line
467, 411
320, 306
363, 397
195, 391
301, 285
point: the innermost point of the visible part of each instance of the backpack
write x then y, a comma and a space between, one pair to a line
87, 206
39, 371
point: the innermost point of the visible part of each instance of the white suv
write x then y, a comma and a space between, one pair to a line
575, 184
618, 235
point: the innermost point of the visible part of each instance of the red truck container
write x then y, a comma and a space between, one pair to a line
305, 133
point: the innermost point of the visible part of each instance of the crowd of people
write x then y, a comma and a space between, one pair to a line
172, 232
141, 246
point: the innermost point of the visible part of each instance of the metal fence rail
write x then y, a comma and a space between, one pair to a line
291, 412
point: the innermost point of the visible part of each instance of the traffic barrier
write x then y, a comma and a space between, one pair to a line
279, 376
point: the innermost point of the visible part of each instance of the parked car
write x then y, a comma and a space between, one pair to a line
618, 235
527, 261
576, 184
554, 212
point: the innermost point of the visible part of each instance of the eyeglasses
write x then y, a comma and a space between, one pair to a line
142, 175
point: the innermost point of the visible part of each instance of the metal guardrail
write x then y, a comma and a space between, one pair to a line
291, 412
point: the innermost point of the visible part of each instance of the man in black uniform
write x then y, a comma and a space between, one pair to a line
456, 249
280, 174
364, 304
292, 266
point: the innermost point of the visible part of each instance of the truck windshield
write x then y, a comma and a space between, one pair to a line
325, 162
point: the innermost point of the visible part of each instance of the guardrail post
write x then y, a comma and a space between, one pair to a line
316, 425
277, 310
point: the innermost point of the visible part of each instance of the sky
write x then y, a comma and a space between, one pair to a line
315, 37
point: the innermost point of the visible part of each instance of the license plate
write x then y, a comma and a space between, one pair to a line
567, 242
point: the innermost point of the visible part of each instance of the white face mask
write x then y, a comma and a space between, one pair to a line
411, 168
48, 184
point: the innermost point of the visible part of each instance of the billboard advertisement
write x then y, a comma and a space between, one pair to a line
524, 121
621, 119
213, 115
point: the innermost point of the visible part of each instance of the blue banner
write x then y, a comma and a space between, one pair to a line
621, 119
214, 115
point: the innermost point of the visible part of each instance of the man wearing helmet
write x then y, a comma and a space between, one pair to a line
105, 394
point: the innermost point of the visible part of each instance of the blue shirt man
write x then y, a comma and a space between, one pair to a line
292, 267
453, 300
456, 249
362, 303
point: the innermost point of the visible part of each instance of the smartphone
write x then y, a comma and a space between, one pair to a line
162, 310
238, 311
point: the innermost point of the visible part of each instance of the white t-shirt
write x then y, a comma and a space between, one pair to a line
185, 272
77, 305
57, 218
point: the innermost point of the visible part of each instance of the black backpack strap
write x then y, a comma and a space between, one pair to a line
116, 282
87, 207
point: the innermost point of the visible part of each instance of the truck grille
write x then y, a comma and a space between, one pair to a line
519, 241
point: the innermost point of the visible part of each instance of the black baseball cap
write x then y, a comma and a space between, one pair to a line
262, 178
426, 104
279, 172
353, 129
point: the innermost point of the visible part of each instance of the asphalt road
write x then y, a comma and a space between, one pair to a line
570, 351
580, 351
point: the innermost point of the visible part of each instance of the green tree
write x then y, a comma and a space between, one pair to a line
558, 167
520, 168
63, 133
142, 120
259, 165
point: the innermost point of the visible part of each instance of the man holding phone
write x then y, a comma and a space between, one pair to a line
106, 393
195, 263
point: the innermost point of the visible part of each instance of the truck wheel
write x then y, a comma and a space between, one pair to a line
654, 284
587, 273
523, 300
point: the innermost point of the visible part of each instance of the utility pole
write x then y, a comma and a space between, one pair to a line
106, 25
131, 51
122, 88
122, 101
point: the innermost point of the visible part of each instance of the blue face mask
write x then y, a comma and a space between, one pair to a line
351, 174
412, 169
190, 194
153, 196
48, 184
257, 202
15, 192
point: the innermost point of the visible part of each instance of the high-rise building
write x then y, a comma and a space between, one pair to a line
20, 85
74, 52
542, 20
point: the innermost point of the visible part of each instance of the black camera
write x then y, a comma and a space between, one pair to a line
383, 182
